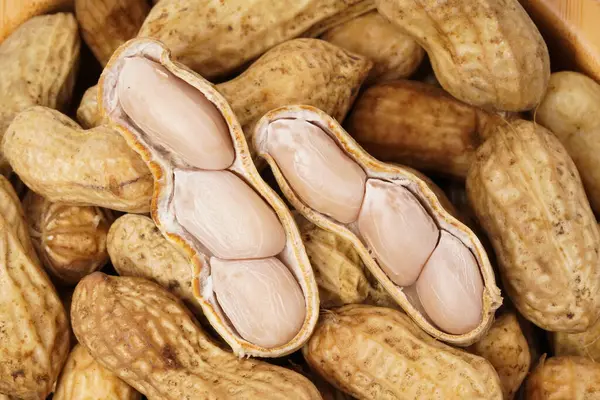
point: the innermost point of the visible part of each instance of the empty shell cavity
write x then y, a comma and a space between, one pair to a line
231, 224
400, 233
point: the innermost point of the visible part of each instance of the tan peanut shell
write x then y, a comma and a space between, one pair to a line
62, 162
393, 173
216, 38
585, 344
419, 125
107, 24
84, 379
376, 353
88, 115
395, 55
571, 110
137, 248
564, 378
489, 54
506, 348
300, 71
38, 63
34, 331
293, 255
14, 13
69, 239
528, 197
144, 335
341, 274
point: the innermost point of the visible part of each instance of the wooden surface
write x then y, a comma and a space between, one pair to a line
14, 12
572, 30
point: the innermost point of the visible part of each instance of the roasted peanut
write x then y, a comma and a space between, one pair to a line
34, 334
564, 378
215, 39
38, 63
63, 163
376, 353
585, 344
395, 55
107, 24
571, 110
145, 336
528, 197
489, 54
506, 348
419, 125
70, 240
84, 379
15, 13
210, 201
380, 203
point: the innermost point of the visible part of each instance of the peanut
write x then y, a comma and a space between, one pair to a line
88, 115
585, 344
562, 378
310, 153
394, 54
217, 38
83, 378
506, 348
63, 163
107, 24
210, 201
38, 63
378, 353
70, 240
571, 110
15, 13
489, 54
34, 334
528, 197
434, 132
145, 336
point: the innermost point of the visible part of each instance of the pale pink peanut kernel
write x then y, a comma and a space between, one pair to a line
174, 114
261, 298
397, 229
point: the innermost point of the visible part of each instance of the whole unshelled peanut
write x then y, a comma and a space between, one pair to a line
15, 13
144, 335
564, 378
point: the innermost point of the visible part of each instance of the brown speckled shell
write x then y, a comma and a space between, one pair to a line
294, 254
395, 173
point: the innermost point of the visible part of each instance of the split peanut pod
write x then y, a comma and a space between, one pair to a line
83, 378
70, 240
377, 353
487, 53
38, 63
144, 335
217, 38
251, 274
564, 378
528, 197
407, 240
34, 331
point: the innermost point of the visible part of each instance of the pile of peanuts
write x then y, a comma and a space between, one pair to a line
317, 199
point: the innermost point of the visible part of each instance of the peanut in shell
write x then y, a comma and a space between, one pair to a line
562, 378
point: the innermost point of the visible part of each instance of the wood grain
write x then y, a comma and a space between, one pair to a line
572, 30
14, 12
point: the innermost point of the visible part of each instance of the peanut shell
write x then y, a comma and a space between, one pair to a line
489, 54
88, 115
506, 348
38, 62
63, 163
70, 240
145, 336
388, 173
419, 125
84, 379
395, 55
571, 110
165, 165
528, 197
14, 13
216, 38
585, 344
379, 353
34, 339
564, 378
107, 24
